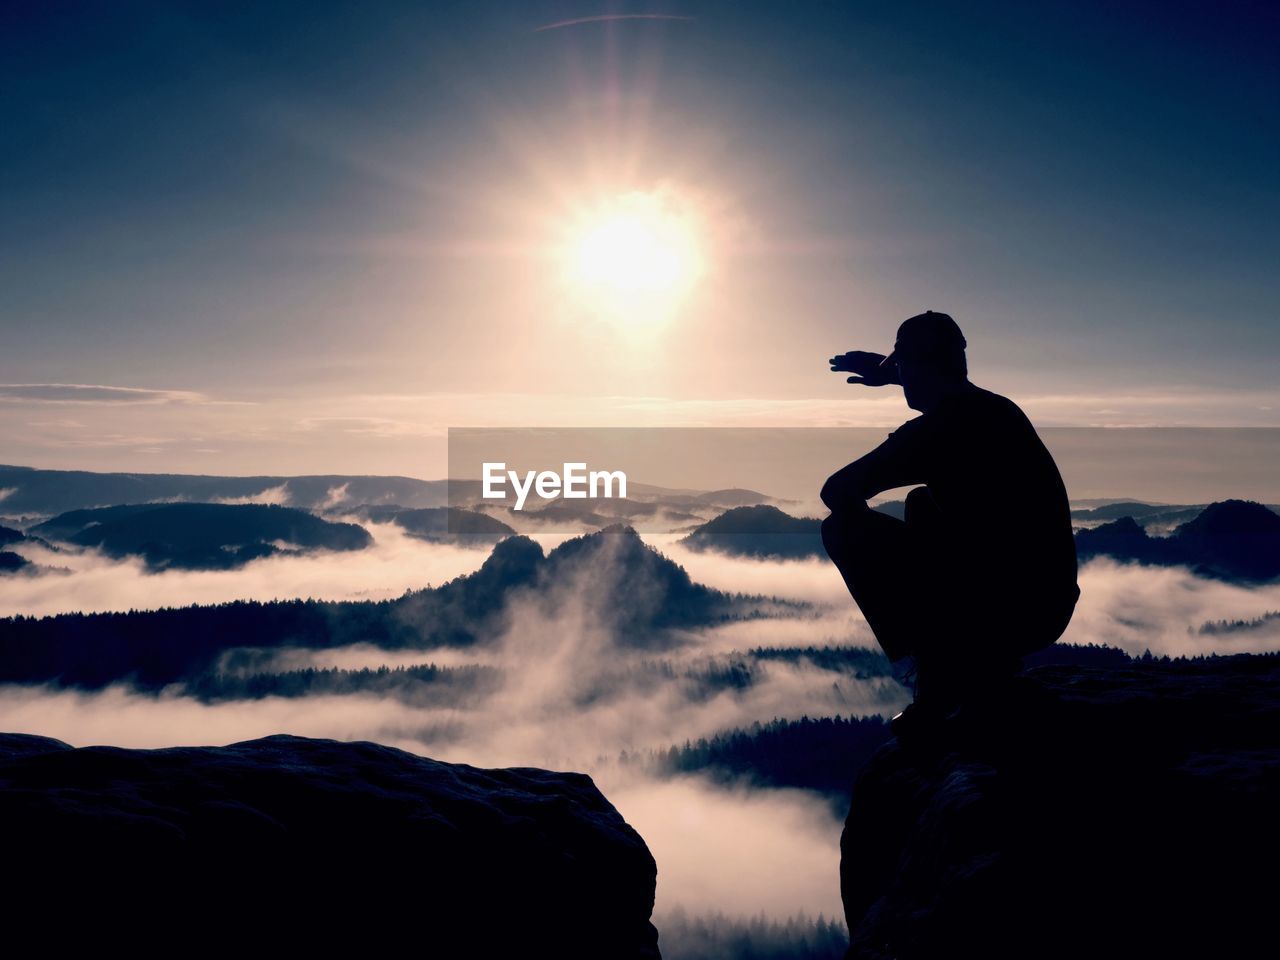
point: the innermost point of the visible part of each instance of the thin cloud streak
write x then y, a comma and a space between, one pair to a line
88, 394
610, 18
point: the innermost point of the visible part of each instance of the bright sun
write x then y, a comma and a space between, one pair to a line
637, 254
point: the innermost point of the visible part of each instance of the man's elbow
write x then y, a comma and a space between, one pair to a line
831, 495
839, 493
828, 496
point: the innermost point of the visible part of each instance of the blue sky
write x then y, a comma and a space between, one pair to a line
310, 237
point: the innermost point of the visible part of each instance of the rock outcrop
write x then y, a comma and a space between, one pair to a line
1096, 813
299, 845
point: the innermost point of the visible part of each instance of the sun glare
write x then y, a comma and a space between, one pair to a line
637, 253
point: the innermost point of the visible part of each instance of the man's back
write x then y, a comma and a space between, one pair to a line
996, 486
983, 569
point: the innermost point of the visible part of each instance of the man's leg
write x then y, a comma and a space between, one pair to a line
961, 655
874, 554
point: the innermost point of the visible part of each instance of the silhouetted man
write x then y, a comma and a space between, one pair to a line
983, 568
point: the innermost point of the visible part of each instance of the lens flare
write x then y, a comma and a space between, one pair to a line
636, 255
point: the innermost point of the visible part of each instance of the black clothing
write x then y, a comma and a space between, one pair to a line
983, 568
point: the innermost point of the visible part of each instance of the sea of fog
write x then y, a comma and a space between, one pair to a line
552, 655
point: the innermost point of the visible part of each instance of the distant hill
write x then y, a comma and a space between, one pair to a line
765, 531
693, 499
1154, 517
733, 497
893, 508
1130, 508
1157, 518
201, 536
823, 754
1231, 540
624, 509
570, 515
759, 531
1234, 539
659, 512
66, 525
440, 524
585, 515
11, 562
33, 494
47, 492
643, 599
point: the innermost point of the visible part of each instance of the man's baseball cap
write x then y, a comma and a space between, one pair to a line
927, 334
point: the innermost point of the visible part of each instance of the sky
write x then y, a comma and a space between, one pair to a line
269, 238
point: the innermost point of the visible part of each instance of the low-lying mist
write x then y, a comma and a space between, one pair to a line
87, 582
572, 695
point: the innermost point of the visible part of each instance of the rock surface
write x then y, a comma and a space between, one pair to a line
287, 843
1098, 812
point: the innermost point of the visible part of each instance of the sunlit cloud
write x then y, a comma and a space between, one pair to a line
372, 426
696, 833
1161, 609
278, 495
395, 563
138, 442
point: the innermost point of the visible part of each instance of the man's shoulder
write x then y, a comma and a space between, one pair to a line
973, 409
977, 394
912, 428
984, 402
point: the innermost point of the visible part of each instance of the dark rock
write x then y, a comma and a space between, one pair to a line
1094, 812
287, 843
21, 744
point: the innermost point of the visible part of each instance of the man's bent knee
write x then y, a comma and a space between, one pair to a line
834, 535
843, 526
920, 508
